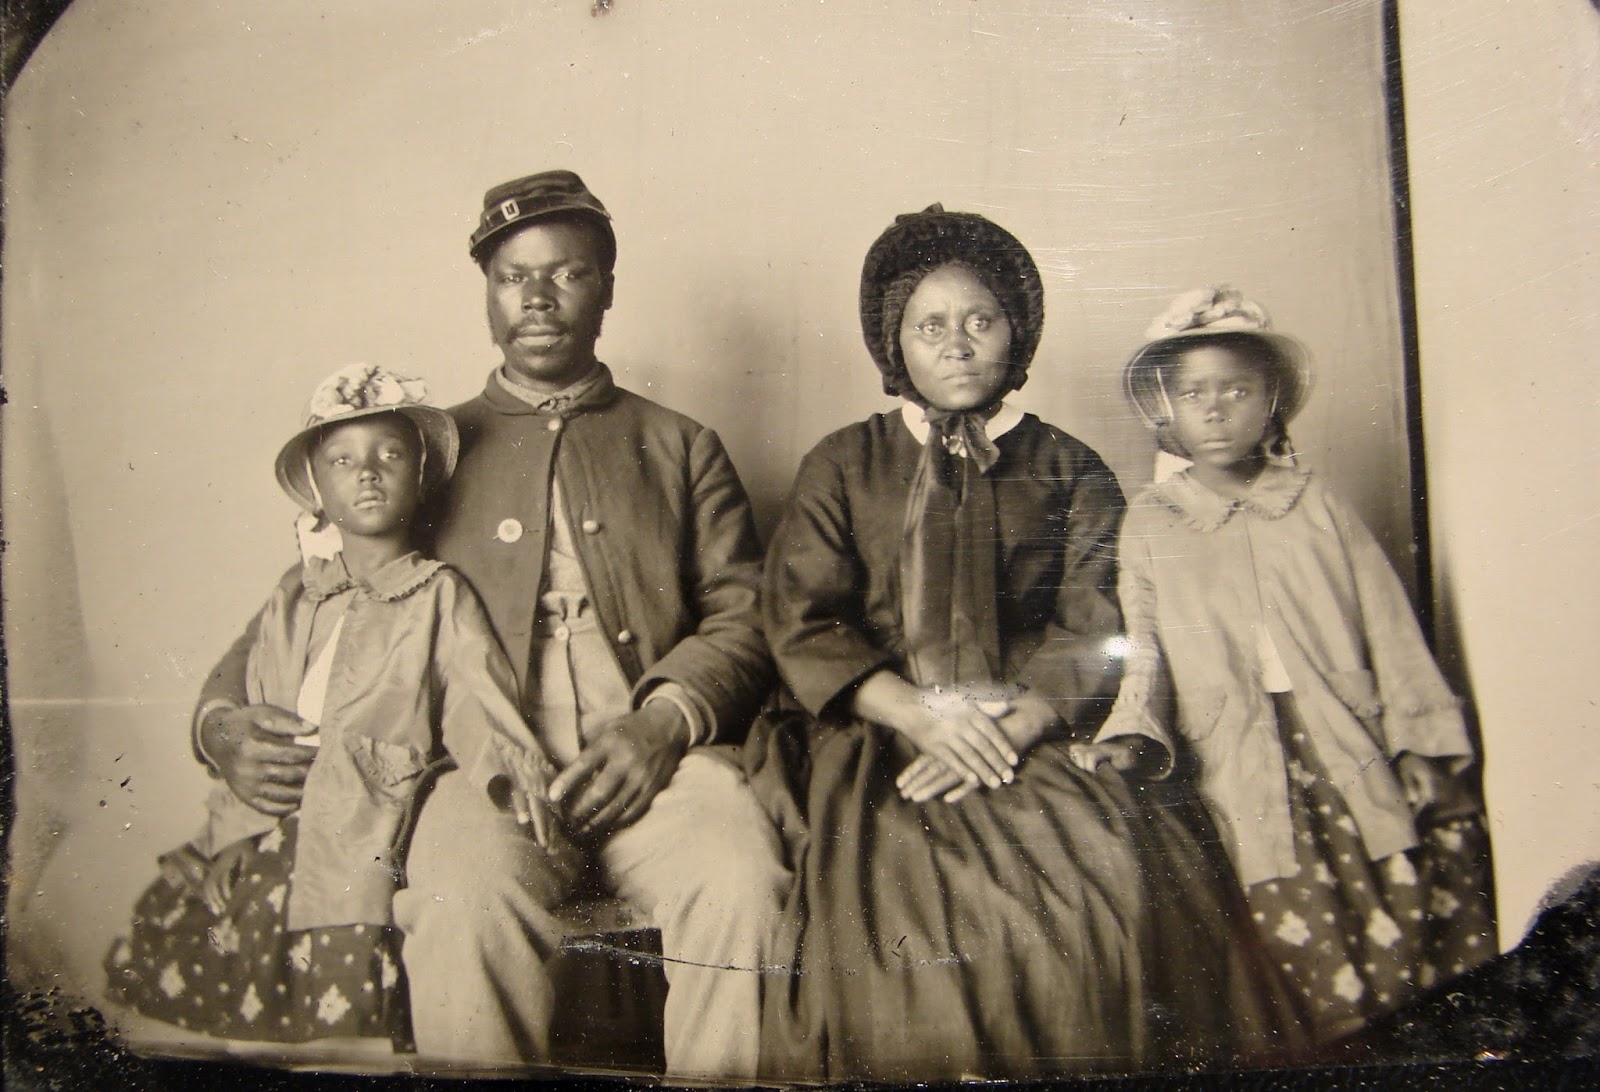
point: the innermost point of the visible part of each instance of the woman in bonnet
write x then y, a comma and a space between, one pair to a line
940, 600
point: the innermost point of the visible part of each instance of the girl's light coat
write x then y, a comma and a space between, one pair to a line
1201, 576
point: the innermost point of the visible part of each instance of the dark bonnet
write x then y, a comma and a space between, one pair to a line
920, 242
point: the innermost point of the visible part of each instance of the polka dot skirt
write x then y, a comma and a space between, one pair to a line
1357, 938
241, 975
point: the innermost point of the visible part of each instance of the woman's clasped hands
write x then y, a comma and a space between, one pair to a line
970, 739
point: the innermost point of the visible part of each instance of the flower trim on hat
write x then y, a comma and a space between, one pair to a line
1224, 311
363, 387
1211, 309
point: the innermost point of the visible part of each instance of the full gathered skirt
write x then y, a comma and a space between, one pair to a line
1064, 923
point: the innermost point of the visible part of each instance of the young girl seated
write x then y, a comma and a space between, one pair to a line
269, 929
1268, 630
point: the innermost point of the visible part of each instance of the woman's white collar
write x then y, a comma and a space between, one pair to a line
1008, 418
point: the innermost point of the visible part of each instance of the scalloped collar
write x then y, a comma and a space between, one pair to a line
324, 578
1271, 496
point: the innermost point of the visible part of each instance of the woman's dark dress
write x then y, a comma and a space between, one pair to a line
1062, 923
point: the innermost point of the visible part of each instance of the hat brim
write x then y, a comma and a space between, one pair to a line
440, 439
1292, 357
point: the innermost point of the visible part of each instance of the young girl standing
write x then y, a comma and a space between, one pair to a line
1268, 632
281, 929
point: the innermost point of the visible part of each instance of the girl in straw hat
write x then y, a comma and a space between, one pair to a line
279, 928
1271, 641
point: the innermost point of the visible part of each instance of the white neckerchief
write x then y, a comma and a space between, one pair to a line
1005, 419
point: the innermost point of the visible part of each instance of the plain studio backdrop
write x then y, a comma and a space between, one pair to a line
212, 205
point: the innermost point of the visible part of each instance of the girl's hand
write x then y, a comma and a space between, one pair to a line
223, 876
185, 868
1123, 754
530, 810
1421, 779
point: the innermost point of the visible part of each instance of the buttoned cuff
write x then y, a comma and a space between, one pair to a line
702, 725
200, 716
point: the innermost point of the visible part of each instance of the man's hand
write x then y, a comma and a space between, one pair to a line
614, 778
254, 751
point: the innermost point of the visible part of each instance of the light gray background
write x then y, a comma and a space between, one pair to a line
212, 205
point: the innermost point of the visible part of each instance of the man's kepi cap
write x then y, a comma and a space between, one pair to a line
510, 205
